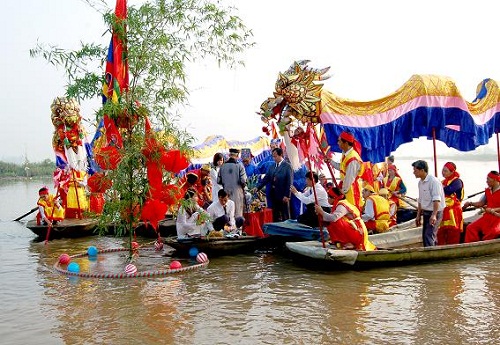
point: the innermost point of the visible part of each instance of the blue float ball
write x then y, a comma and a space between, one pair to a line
193, 251
73, 267
92, 251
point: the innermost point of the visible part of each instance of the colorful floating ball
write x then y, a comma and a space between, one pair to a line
92, 251
135, 245
130, 269
175, 265
73, 267
193, 251
64, 259
158, 245
201, 257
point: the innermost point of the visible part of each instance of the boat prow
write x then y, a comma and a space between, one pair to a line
67, 228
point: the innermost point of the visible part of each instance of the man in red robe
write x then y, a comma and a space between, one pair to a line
488, 226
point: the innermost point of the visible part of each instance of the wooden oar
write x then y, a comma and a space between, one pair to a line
26, 214
405, 199
473, 195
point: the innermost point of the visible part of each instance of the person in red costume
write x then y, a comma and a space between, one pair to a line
452, 223
351, 168
347, 230
488, 226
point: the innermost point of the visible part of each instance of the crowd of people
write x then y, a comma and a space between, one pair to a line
216, 197
356, 206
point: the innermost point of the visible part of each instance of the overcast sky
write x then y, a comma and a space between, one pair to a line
373, 47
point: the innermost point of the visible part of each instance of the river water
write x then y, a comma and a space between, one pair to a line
258, 298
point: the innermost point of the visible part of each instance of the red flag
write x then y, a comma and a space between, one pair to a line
116, 79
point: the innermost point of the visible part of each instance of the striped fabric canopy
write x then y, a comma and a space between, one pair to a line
423, 104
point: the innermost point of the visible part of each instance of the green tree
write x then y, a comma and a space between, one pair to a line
162, 38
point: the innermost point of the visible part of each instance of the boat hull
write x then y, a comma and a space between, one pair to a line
400, 248
215, 246
67, 228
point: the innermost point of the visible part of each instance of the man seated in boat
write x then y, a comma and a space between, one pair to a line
221, 213
49, 210
308, 199
192, 220
347, 230
393, 207
488, 226
376, 211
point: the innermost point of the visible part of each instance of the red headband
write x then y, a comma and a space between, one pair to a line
392, 167
347, 137
494, 177
451, 166
43, 191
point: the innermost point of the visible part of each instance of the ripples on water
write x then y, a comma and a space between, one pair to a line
246, 299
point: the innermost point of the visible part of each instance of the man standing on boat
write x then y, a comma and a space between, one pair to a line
350, 168
488, 226
280, 178
431, 202
233, 178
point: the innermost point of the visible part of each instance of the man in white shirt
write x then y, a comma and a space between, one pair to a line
309, 217
222, 213
430, 202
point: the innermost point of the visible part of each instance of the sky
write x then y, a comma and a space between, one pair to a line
372, 48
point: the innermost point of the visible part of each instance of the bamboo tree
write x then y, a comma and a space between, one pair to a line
162, 38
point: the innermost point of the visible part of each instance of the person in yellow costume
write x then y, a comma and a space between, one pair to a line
76, 198
376, 212
351, 169
50, 211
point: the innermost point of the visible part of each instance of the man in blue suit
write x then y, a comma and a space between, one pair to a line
280, 178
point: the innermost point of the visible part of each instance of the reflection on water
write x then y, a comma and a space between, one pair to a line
246, 299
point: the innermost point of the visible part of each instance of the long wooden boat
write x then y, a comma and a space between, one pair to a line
67, 228
215, 246
394, 249
293, 231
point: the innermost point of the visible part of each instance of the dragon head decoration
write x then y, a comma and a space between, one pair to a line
67, 123
296, 98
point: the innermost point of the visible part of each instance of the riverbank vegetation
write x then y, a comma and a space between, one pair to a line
27, 169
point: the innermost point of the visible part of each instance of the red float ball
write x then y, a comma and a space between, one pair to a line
175, 265
64, 259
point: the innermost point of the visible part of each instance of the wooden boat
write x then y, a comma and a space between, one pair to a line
215, 246
293, 231
394, 249
67, 228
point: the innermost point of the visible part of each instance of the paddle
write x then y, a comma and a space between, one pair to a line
473, 195
405, 199
26, 214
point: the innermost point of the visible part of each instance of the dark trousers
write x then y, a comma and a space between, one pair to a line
223, 220
429, 232
309, 217
280, 210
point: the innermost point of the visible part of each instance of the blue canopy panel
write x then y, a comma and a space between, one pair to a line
422, 104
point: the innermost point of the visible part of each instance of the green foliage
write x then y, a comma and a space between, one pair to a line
41, 169
162, 37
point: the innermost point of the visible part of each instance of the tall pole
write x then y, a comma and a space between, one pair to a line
435, 155
498, 152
